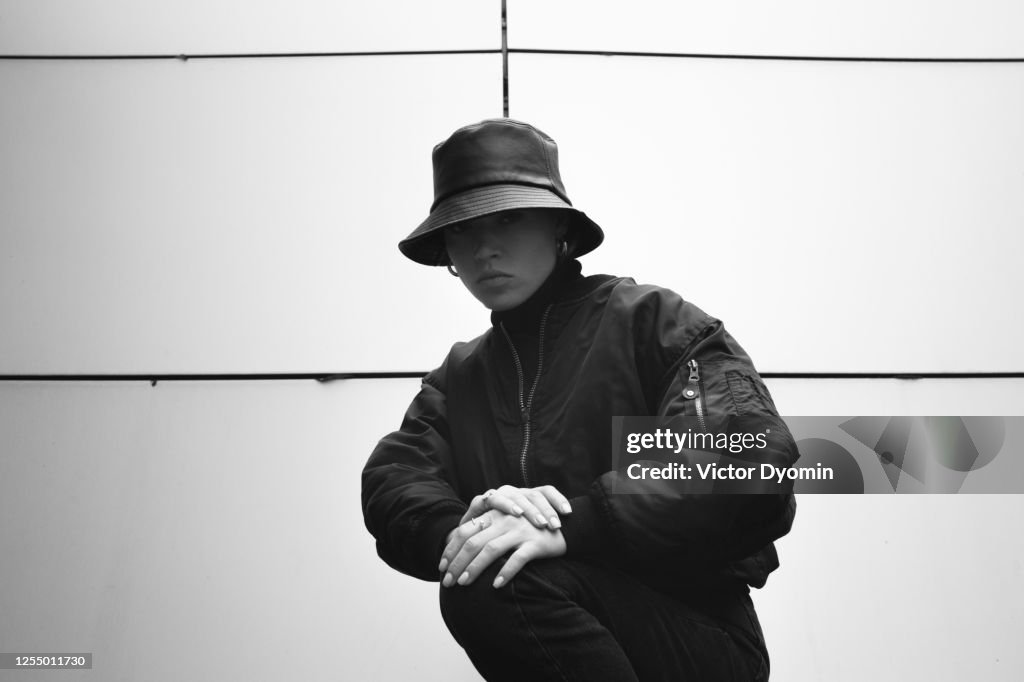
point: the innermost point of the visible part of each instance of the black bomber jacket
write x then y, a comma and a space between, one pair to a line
605, 347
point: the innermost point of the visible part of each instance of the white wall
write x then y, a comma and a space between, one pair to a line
241, 215
206, 531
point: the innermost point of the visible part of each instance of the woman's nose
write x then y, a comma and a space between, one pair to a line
487, 244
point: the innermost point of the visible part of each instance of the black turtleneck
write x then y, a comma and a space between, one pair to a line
525, 317
523, 322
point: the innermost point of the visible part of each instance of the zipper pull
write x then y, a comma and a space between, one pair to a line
692, 389
524, 415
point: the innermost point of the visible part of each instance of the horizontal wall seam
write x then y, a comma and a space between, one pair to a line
240, 55
802, 58
342, 376
593, 53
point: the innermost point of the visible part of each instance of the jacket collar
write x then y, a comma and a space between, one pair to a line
564, 283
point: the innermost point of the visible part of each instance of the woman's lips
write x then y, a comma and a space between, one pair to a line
493, 277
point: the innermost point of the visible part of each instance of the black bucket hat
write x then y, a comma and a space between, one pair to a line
495, 165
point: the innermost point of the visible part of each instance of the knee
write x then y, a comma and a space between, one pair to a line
476, 607
469, 608
479, 603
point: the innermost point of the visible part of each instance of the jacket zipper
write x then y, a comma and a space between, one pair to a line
526, 402
692, 392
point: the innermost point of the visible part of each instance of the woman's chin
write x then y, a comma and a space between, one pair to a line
501, 305
498, 306
501, 301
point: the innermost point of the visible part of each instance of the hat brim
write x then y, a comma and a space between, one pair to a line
426, 243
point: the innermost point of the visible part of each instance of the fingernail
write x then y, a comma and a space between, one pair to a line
541, 520
499, 581
566, 509
517, 510
443, 565
555, 523
447, 582
464, 578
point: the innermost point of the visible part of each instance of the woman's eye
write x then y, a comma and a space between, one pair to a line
457, 228
510, 217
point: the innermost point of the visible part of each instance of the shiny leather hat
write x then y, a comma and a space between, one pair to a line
495, 165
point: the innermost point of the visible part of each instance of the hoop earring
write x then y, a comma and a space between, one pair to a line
452, 270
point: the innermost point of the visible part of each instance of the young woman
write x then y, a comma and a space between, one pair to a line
501, 481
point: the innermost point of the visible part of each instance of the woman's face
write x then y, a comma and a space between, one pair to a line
504, 257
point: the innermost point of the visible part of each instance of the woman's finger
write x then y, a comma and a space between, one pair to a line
489, 550
524, 499
463, 533
544, 508
467, 552
540, 506
514, 502
514, 564
477, 506
509, 499
494, 499
555, 498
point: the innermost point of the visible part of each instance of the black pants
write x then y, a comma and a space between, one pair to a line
561, 619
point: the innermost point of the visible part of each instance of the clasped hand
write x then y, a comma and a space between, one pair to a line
517, 520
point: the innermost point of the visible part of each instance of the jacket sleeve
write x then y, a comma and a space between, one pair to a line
409, 505
622, 517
